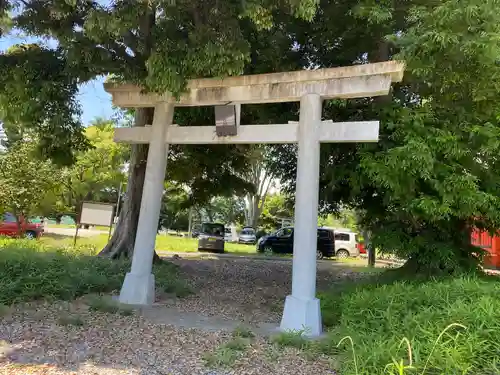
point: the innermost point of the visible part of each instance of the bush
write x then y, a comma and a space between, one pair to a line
377, 318
30, 271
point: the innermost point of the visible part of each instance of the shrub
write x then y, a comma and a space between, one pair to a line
30, 271
377, 318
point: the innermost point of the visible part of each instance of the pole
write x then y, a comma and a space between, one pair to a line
115, 218
190, 224
118, 200
110, 227
76, 234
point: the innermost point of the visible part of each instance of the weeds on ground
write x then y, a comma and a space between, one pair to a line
108, 305
4, 310
227, 354
177, 287
272, 353
30, 270
243, 332
292, 338
221, 357
71, 320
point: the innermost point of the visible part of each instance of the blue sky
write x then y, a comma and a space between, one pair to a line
94, 100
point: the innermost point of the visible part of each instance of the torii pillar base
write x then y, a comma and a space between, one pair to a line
302, 315
138, 289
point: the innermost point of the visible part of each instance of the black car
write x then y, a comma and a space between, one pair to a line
281, 242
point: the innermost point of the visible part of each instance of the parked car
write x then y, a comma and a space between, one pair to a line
195, 231
247, 236
281, 242
211, 237
9, 227
228, 235
362, 248
346, 244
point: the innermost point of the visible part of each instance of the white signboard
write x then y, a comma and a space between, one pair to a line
97, 214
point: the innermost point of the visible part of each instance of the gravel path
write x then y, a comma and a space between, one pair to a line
244, 289
36, 339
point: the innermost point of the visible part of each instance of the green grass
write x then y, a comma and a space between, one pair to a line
293, 339
227, 354
33, 270
108, 305
243, 332
71, 320
414, 327
73, 226
164, 243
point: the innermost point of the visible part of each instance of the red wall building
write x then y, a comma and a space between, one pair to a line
489, 243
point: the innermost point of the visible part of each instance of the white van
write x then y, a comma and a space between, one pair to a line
346, 243
228, 235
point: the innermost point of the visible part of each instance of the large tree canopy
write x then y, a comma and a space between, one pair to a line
159, 44
434, 173
38, 96
432, 176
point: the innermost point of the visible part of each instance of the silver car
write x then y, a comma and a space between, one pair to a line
247, 236
346, 244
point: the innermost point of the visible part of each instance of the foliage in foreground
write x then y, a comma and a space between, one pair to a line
227, 354
29, 271
379, 318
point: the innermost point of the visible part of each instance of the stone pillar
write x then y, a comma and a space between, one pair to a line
302, 309
139, 285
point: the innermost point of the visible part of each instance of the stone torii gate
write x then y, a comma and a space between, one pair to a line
310, 87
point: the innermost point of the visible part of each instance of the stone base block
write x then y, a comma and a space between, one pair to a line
138, 289
300, 314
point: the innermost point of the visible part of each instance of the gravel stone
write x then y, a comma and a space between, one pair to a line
34, 339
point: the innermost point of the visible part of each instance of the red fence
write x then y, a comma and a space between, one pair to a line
489, 243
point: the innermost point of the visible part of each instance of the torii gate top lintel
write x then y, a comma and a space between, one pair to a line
355, 81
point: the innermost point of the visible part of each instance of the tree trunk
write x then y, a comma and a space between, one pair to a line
19, 226
371, 255
369, 248
255, 212
123, 239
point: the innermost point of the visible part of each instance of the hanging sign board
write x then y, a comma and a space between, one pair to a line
97, 214
226, 120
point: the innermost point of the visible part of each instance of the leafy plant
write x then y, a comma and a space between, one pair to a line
30, 270
243, 332
25, 180
375, 318
226, 354
293, 338
221, 357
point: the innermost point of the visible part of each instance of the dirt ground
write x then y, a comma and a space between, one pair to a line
36, 338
